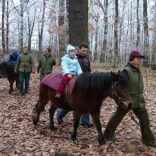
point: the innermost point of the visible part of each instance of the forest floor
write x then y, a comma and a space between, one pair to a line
19, 137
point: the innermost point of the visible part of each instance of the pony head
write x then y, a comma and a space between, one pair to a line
119, 91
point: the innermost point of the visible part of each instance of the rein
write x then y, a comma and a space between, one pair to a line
113, 90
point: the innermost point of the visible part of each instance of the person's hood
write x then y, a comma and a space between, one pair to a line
70, 47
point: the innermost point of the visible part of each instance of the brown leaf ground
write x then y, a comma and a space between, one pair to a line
19, 137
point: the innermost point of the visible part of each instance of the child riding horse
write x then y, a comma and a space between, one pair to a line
87, 96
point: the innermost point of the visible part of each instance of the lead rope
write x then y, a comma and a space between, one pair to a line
130, 113
132, 117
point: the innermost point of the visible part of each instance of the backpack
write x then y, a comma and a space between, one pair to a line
13, 57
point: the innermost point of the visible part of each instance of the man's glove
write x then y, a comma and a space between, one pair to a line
69, 75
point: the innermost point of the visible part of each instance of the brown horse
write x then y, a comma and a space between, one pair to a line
87, 96
7, 71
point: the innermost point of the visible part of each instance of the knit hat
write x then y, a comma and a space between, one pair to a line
134, 54
70, 47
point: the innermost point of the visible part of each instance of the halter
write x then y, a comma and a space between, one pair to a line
113, 91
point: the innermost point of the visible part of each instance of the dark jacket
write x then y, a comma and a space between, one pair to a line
25, 63
135, 85
45, 64
84, 62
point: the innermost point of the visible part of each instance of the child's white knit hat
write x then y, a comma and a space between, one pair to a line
70, 47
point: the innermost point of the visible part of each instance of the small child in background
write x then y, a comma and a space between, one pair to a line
70, 67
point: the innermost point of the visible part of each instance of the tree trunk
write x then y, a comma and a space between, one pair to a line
3, 28
105, 26
146, 35
153, 61
138, 25
116, 61
78, 21
7, 28
41, 31
62, 34
30, 29
22, 26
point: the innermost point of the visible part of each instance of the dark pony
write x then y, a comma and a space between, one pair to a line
87, 96
7, 70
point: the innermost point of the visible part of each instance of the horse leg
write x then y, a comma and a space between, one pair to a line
11, 87
77, 116
17, 81
97, 123
36, 114
39, 107
51, 115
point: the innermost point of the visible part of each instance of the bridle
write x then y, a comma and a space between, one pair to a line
114, 92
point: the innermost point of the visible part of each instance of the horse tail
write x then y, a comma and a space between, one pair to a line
43, 97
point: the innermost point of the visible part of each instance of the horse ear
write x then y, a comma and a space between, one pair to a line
114, 76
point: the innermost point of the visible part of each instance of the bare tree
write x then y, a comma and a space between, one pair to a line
153, 61
7, 26
31, 24
3, 27
21, 24
62, 29
116, 31
146, 33
104, 7
40, 30
138, 25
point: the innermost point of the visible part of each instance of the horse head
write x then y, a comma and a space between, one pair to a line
119, 90
3, 71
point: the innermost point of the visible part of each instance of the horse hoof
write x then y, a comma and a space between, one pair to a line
102, 142
35, 122
53, 128
73, 138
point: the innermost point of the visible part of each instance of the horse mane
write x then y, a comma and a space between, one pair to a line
8, 66
122, 80
98, 80
93, 80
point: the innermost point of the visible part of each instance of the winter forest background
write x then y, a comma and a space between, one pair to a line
114, 27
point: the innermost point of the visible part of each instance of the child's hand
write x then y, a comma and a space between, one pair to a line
69, 75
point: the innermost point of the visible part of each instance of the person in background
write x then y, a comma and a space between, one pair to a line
135, 87
46, 63
70, 67
13, 56
25, 65
85, 66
